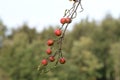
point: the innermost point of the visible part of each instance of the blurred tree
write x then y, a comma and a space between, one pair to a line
2, 32
2, 28
105, 34
30, 33
19, 59
47, 33
86, 63
4, 76
115, 54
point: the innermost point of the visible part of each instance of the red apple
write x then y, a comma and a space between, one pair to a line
68, 20
58, 32
51, 58
62, 60
44, 62
50, 42
62, 20
48, 51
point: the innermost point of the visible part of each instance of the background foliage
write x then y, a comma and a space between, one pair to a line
91, 49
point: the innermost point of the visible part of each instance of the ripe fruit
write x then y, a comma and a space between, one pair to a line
58, 32
68, 20
50, 42
62, 20
44, 62
62, 60
51, 58
48, 51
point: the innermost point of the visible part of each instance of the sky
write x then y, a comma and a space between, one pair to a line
40, 14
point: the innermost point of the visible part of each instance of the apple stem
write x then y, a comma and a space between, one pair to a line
72, 14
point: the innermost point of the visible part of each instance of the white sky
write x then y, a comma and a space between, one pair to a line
42, 13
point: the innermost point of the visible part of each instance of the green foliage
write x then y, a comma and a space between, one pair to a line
91, 51
115, 54
86, 61
2, 28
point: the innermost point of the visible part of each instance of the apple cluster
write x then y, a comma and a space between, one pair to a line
49, 52
65, 20
57, 54
58, 32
